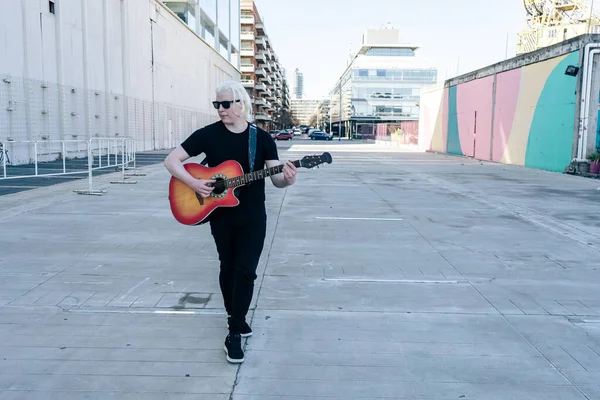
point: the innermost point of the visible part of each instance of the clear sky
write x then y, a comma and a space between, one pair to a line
316, 35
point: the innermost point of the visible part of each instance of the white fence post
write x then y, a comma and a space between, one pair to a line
123, 154
131, 142
35, 157
89, 190
64, 157
4, 155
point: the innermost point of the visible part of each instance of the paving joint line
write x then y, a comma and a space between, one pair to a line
237, 373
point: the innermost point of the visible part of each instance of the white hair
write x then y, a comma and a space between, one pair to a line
239, 93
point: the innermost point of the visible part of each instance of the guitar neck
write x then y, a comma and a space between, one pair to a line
257, 175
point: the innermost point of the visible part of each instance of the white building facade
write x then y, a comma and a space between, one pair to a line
303, 109
105, 68
215, 21
382, 83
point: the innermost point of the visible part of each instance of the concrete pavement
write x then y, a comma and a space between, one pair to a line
386, 274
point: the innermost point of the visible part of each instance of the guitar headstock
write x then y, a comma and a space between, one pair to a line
315, 161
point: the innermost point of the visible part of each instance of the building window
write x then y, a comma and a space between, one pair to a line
390, 52
51, 7
183, 17
417, 76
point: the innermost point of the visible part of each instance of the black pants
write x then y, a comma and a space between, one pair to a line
239, 244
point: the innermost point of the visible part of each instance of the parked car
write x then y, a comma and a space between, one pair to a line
320, 135
283, 136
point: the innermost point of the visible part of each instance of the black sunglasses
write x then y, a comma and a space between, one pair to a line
226, 104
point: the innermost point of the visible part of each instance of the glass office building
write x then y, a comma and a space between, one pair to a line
215, 21
389, 93
382, 83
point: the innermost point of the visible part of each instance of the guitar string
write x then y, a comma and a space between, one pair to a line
252, 176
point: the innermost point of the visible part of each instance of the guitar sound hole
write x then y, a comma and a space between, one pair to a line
219, 186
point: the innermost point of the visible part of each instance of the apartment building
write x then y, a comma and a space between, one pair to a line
304, 109
262, 74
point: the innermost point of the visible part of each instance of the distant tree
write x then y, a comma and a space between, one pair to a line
313, 120
286, 120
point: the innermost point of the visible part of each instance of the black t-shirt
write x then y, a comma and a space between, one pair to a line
219, 144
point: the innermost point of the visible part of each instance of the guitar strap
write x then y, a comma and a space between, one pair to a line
252, 146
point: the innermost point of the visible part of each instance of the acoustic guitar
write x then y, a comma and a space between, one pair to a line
190, 208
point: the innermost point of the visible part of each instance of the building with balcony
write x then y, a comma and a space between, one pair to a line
304, 109
262, 74
382, 83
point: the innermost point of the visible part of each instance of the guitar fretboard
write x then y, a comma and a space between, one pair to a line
256, 175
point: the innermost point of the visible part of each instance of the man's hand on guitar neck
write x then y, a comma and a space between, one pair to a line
287, 177
289, 173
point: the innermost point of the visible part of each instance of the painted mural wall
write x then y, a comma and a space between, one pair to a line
528, 121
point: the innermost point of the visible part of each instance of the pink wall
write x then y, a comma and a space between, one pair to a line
474, 105
410, 129
507, 95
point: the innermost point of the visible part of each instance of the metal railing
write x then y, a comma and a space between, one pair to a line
47, 158
109, 149
29, 159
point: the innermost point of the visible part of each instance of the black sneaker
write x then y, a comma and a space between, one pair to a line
246, 331
233, 348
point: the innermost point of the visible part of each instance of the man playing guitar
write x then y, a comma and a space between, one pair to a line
239, 232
